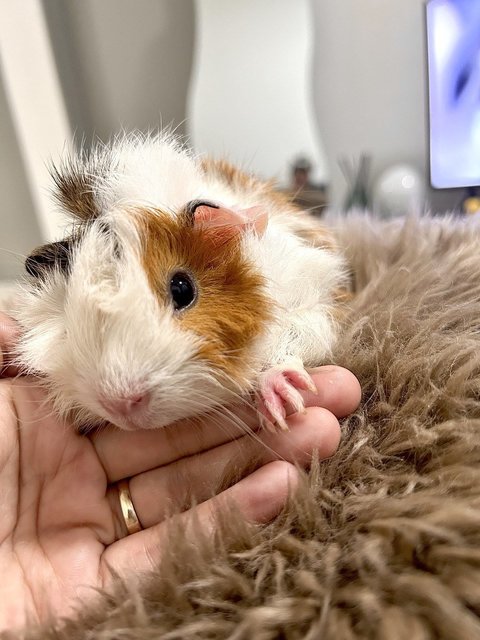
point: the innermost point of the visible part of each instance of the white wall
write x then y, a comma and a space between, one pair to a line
35, 103
122, 62
19, 231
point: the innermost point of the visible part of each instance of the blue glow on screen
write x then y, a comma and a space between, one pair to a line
454, 78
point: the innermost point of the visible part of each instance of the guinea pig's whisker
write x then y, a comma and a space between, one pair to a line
228, 416
34, 421
248, 431
24, 386
243, 399
16, 254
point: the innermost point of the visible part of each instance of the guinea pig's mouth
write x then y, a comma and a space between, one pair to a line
129, 412
128, 424
125, 425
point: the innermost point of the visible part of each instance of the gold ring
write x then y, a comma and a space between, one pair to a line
130, 518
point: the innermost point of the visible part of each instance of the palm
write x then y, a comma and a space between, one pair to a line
64, 521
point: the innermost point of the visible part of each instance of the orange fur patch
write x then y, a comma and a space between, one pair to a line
231, 308
302, 224
341, 308
316, 235
229, 174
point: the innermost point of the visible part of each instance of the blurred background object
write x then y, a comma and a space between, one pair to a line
305, 191
287, 89
301, 174
454, 73
471, 203
357, 176
398, 189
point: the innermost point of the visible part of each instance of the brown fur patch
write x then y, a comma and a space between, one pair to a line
315, 234
341, 308
231, 309
76, 182
234, 177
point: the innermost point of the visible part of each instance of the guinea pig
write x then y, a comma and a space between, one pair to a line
184, 285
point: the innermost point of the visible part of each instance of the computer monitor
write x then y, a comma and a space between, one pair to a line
453, 32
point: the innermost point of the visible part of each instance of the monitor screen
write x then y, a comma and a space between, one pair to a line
454, 77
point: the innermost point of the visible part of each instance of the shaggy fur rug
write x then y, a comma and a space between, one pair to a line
383, 540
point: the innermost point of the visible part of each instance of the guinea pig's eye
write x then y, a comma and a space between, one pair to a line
182, 290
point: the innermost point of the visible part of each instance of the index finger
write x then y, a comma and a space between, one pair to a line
9, 331
128, 453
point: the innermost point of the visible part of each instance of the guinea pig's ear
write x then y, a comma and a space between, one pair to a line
49, 256
75, 187
228, 221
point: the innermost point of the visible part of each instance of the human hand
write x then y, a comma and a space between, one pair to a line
61, 527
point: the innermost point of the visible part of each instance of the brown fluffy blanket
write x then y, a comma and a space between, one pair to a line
383, 540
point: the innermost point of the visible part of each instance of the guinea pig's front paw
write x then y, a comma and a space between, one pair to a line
279, 386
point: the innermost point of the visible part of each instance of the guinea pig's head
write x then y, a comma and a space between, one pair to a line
142, 317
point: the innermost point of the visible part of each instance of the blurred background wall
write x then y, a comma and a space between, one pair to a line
19, 230
129, 64
370, 87
123, 63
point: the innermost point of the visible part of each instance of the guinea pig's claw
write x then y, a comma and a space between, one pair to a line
271, 416
279, 387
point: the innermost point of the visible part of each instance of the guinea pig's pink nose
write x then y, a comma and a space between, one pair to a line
126, 405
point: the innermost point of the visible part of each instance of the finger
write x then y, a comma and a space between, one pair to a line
127, 453
157, 493
9, 331
124, 454
259, 498
338, 390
